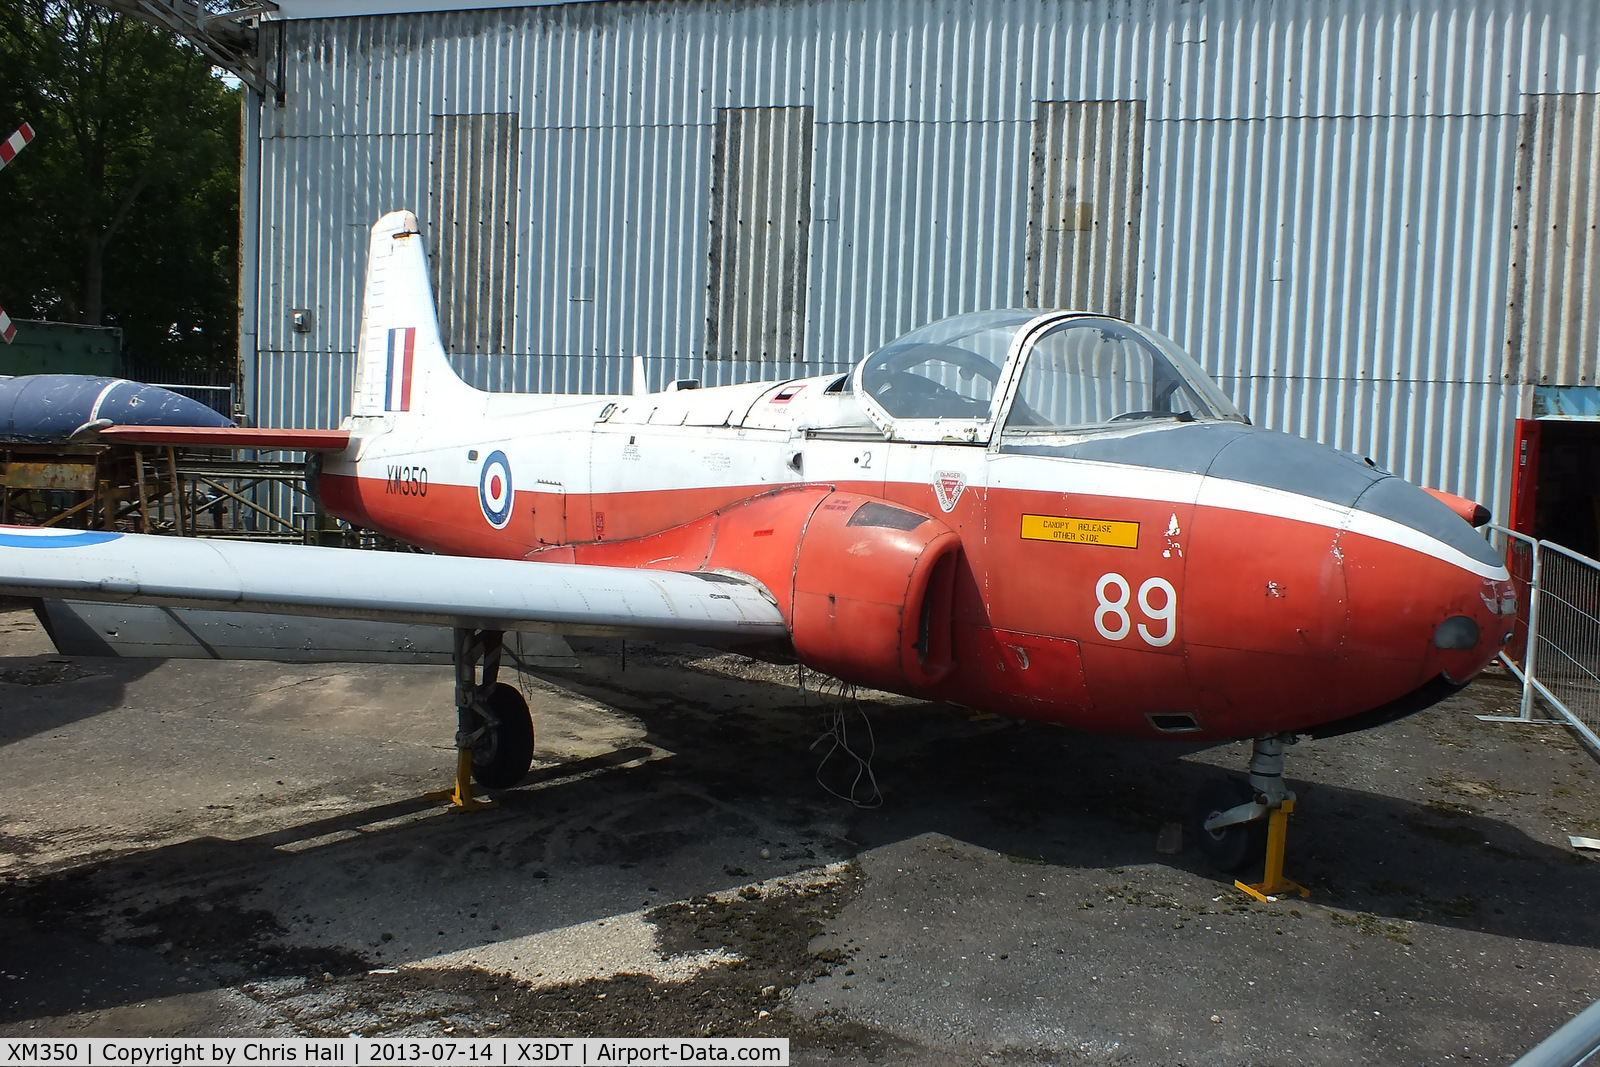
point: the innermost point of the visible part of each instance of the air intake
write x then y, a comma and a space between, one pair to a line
1173, 723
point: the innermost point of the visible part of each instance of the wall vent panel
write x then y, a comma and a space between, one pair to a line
760, 234
1553, 317
1084, 193
471, 187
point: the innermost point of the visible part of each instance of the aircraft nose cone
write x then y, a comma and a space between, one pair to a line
1424, 587
1400, 502
1332, 579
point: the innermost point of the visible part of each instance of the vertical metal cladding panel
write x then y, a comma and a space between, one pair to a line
320, 196
915, 221
249, 245
760, 231
1328, 269
1326, 203
611, 259
1084, 191
473, 183
1554, 309
306, 390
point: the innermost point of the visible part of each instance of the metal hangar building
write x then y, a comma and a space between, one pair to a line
1372, 221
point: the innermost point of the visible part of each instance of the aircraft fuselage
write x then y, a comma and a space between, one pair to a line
1205, 579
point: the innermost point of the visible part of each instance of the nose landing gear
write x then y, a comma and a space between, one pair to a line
494, 731
1240, 824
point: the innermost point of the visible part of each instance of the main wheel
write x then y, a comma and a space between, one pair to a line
504, 752
1231, 847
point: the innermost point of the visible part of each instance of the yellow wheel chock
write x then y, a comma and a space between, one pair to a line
1273, 883
463, 797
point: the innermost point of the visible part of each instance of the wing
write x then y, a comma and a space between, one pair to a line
454, 591
88, 628
266, 440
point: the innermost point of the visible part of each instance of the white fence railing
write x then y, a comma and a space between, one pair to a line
1555, 647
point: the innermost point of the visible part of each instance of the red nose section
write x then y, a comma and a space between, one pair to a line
1414, 618
1323, 625
1334, 609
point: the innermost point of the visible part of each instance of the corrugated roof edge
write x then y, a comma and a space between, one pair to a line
328, 9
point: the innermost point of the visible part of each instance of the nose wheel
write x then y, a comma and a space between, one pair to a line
1238, 825
494, 730
1228, 847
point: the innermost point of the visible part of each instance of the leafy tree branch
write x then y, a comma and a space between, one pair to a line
124, 210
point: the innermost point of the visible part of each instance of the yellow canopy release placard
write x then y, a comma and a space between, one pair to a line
1109, 532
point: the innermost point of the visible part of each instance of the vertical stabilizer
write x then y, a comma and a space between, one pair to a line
401, 366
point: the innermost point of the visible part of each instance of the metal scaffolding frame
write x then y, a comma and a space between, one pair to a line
153, 490
229, 37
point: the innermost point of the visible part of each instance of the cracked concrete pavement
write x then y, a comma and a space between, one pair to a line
242, 848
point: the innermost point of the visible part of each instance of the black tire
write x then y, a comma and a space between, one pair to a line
1232, 847
503, 755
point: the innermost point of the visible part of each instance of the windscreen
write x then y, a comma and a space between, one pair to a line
1093, 371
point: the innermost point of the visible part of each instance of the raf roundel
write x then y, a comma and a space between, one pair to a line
494, 490
28, 537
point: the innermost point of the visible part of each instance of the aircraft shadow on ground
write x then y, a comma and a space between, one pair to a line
97, 685
1019, 789
1040, 793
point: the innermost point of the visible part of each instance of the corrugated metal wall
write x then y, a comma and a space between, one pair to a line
1325, 217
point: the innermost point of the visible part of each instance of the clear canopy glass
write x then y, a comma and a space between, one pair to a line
1078, 372
949, 369
1093, 371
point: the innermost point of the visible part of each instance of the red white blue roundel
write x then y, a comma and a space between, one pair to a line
494, 490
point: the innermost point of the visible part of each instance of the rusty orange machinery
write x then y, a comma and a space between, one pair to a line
86, 486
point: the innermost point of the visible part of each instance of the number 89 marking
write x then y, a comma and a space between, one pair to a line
1111, 615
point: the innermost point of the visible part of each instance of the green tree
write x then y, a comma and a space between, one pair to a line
124, 209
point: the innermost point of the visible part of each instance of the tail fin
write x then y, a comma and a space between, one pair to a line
401, 365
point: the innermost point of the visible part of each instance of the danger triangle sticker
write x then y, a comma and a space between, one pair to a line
947, 486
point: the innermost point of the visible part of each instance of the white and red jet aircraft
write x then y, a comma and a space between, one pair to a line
1039, 513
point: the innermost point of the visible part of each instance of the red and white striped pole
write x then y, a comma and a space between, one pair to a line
15, 143
8, 151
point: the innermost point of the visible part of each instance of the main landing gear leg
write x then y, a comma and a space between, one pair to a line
1233, 817
494, 732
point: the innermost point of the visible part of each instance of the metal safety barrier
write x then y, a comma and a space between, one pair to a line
1569, 1046
1555, 646
215, 389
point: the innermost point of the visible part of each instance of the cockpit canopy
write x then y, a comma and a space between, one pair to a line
1032, 373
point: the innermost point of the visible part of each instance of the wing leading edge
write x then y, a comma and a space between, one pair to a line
266, 440
457, 591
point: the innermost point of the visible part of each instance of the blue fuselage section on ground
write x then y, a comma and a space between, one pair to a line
52, 407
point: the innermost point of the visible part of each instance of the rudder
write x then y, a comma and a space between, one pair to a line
401, 366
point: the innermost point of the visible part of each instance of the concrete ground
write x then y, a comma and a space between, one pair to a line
196, 848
